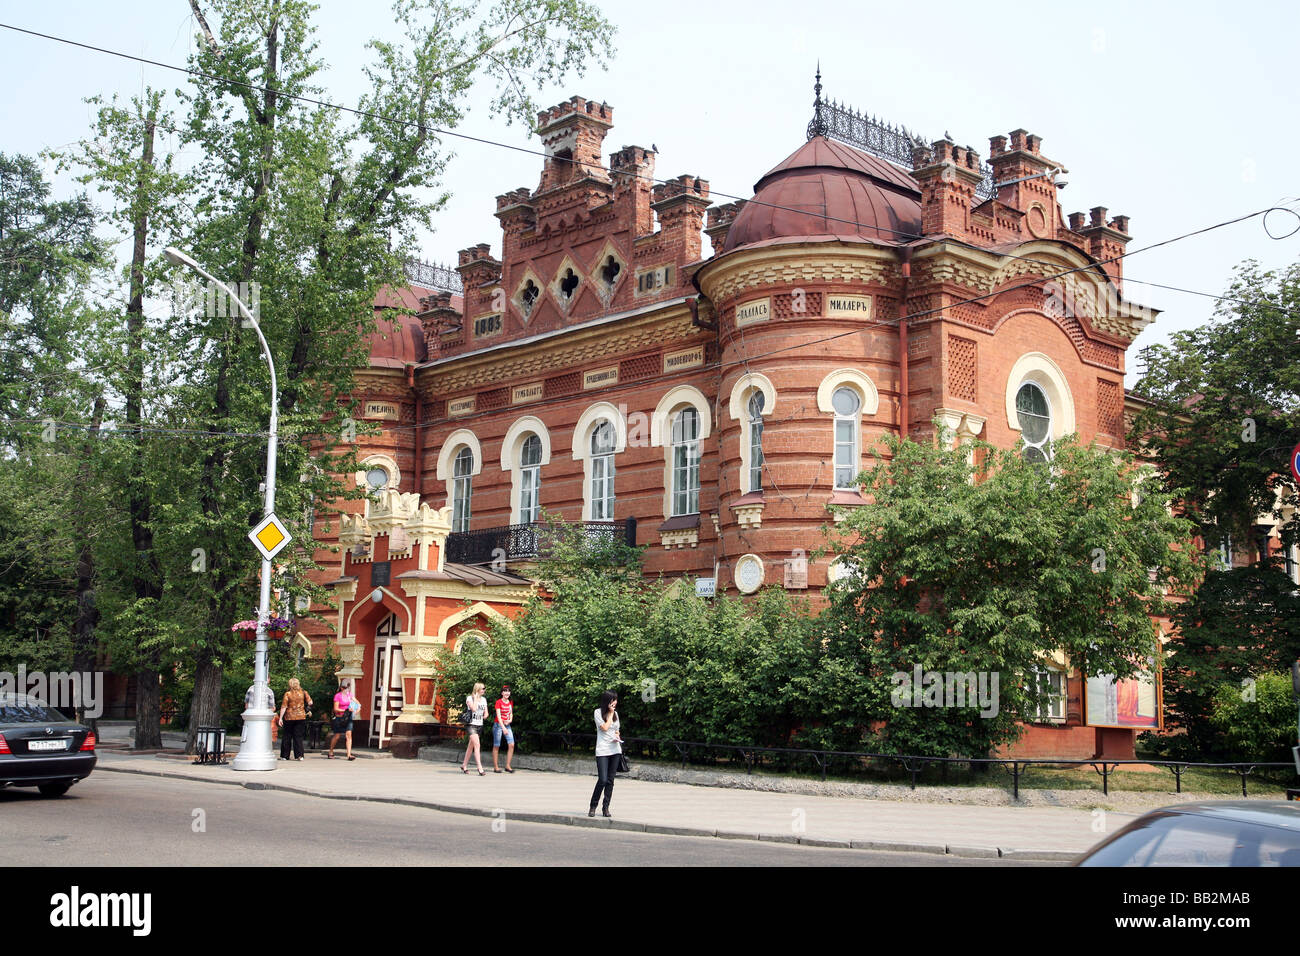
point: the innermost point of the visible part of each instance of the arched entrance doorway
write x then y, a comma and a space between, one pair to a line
386, 692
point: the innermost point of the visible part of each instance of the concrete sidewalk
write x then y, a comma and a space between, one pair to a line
1043, 833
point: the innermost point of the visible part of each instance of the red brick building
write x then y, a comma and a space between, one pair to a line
714, 406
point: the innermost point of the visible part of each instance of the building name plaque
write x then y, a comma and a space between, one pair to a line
686, 358
385, 410
757, 310
853, 306
531, 392
461, 406
600, 377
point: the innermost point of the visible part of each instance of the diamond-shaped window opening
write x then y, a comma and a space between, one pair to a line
566, 284
608, 273
527, 295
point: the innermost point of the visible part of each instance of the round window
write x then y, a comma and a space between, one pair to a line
377, 478
845, 401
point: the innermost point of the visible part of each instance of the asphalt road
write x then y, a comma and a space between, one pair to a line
114, 819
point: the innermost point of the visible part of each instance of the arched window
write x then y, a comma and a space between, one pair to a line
461, 490
602, 472
530, 480
1035, 416
755, 408
847, 403
686, 462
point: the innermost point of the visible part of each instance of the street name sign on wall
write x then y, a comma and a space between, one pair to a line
269, 536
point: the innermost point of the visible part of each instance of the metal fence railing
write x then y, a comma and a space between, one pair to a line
913, 765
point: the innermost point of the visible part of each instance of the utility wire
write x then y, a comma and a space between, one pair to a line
439, 131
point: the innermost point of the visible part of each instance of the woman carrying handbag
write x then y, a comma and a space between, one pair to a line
476, 711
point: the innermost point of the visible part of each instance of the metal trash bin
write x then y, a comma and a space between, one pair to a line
210, 745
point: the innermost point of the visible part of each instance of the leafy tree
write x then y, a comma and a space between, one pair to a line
48, 257
318, 208
956, 567
686, 668
1225, 408
1257, 721
1223, 418
1237, 625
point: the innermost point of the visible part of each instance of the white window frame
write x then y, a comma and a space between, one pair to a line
1054, 712
512, 448
451, 447
661, 434
588, 421
868, 404
530, 480
462, 490
1047, 375
685, 452
603, 471
741, 393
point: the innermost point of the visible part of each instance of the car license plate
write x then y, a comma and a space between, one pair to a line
48, 744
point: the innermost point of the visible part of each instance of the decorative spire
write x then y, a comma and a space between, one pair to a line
817, 127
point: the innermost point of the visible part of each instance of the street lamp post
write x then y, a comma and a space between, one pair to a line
255, 752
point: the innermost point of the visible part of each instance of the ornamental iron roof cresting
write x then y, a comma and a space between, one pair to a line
895, 144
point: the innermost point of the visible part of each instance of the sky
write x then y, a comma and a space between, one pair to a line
1178, 115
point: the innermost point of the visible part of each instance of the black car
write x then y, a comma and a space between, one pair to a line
1221, 833
40, 747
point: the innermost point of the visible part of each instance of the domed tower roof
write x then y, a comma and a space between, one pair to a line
828, 190
399, 341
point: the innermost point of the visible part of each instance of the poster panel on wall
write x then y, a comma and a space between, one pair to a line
1132, 702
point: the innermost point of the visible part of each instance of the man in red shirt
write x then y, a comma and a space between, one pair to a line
501, 728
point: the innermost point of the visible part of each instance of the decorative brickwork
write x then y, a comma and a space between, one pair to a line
1110, 408
783, 305
563, 384
642, 366
961, 368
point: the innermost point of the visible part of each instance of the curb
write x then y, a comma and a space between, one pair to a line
564, 819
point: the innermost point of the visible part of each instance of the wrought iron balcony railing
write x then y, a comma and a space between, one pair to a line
523, 542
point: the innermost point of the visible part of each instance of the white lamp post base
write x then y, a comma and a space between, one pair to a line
255, 752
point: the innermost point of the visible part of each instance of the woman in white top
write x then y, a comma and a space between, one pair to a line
476, 705
609, 745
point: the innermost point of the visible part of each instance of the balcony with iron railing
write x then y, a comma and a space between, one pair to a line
526, 542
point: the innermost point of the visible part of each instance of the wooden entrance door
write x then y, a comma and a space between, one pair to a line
386, 696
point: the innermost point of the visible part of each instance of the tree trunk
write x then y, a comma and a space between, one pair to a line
205, 705
84, 649
148, 716
146, 572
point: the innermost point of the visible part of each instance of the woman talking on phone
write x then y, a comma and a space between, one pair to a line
609, 745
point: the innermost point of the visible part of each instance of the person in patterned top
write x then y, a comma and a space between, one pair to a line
294, 711
505, 717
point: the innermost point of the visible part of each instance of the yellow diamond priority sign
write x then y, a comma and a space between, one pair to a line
270, 536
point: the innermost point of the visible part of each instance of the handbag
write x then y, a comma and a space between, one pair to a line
623, 766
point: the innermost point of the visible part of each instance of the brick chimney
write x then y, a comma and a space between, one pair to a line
720, 220
632, 169
947, 175
572, 134
1105, 240
438, 316
1028, 171
477, 270
680, 205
